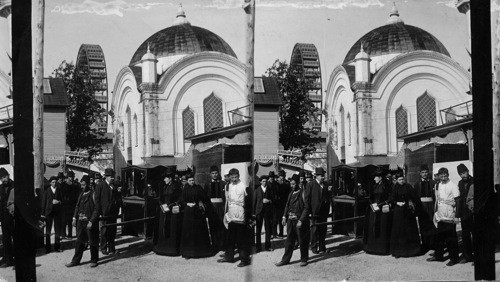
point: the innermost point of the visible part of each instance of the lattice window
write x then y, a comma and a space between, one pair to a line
129, 128
342, 126
212, 110
188, 122
349, 129
426, 111
136, 129
401, 122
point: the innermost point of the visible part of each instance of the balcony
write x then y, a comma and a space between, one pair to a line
6, 113
456, 112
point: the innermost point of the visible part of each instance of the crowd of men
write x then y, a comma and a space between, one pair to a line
298, 206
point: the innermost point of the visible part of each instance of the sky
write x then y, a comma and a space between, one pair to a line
120, 26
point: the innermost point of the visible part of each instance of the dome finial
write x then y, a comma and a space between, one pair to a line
149, 51
181, 16
394, 15
361, 50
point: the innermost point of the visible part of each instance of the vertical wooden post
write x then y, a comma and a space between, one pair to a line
484, 200
38, 98
24, 201
249, 7
496, 111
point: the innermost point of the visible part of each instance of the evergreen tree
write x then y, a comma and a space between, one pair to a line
83, 112
297, 110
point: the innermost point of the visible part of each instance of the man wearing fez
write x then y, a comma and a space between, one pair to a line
70, 191
465, 213
296, 219
53, 214
281, 198
425, 191
216, 193
87, 226
108, 202
7, 217
320, 207
264, 197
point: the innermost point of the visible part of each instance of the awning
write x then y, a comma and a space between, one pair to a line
3, 141
399, 160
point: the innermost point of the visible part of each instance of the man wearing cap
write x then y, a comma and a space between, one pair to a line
7, 217
296, 219
216, 193
447, 198
108, 203
238, 218
87, 226
465, 213
320, 207
281, 198
53, 214
425, 191
264, 196
70, 191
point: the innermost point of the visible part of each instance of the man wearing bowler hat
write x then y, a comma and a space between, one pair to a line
108, 202
271, 182
281, 198
320, 207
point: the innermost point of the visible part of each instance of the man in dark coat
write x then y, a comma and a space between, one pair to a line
216, 194
53, 214
281, 198
70, 191
7, 217
296, 219
87, 226
108, 202
465, 214
320, 207
264, 197
271, 182
425, 191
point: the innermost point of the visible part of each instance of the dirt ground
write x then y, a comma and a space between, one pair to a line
345, 260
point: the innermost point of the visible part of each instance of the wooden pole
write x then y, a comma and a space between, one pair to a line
38, 98
249, 7
484, 200
496, 112
24, 201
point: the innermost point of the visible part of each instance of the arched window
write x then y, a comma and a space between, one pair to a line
335, 135
188, 122
426, 111
342, 126
349, 129
212, 111
136, 129
401, 122
129, 128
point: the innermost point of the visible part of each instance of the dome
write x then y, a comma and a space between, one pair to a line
395, 37
181, 39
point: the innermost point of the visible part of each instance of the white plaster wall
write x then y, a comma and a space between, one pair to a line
401, 80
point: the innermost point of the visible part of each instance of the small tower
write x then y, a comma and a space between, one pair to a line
181, 17
394, 16
362, 66
148, 65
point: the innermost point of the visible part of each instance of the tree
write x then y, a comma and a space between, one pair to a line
297, 109
83, 112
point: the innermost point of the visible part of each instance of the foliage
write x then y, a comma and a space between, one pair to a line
297, 109
84, 110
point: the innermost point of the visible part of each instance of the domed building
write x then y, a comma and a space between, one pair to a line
182, 81
394, 81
